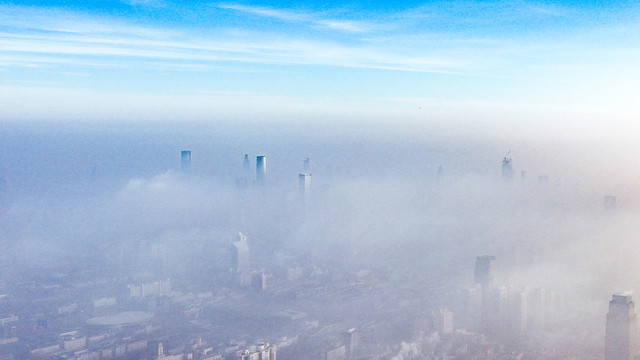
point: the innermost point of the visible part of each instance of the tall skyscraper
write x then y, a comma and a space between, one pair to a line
304, 181
261, 169
185, 160
351, 341
484, 276
240, 259
621, 331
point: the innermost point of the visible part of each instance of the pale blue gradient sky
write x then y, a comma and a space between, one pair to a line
566, 66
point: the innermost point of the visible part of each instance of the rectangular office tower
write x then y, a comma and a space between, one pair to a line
621, 332
185, 160
485, 270
261, 169
489, 304
304, 181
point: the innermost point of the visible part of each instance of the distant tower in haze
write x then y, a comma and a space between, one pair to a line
485, 269
484, 275
507, 167
304, 180
621, 331
351, 341
246, 165
444, 321
185, 160
240, 259
306, 165
261, 169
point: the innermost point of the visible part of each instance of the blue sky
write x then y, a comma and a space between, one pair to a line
566, 65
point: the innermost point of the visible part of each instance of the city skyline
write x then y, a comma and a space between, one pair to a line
328, 180
367, 224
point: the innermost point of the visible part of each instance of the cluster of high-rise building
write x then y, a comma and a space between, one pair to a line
304, 177
505, 311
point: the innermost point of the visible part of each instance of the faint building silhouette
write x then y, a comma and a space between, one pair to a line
444, 318
240, 260
507, 168
245, 165
519, 312
258, 281
306, 165
485, 270
621, 330
489, 303
244, 180
185, 161
351, 340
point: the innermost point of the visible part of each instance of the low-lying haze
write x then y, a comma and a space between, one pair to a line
76, 199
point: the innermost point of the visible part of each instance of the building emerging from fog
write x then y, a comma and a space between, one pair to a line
306, 165
485, 269
261, 169
240, 259
245, 164
484, 275
621, 332
304, 181
507, 168
185, 160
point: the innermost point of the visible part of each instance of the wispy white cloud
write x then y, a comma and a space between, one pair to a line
147, 3
268, 12
485, 12
314, 19
59, 42
112, 43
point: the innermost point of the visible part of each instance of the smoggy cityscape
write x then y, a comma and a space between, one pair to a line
308, 250
319, 180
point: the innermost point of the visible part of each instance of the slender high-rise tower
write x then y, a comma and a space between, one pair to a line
305, 183
240, 259
185, 160
621, 332
261, 169
484, 276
